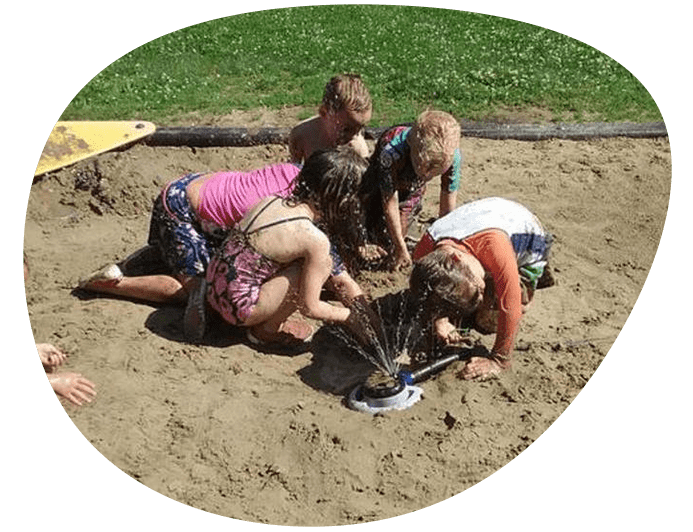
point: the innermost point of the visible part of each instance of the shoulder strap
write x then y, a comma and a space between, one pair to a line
246, 231
258, 213
278, 222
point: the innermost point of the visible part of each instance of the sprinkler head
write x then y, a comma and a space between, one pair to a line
381, 393
379, 385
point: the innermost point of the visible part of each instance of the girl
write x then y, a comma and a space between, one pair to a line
485, 259
190, 219
279, 257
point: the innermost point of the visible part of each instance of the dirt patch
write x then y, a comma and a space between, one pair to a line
267, 438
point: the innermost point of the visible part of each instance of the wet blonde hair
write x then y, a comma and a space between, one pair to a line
346, 91
434, 138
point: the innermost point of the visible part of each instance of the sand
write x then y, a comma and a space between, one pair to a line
267, 438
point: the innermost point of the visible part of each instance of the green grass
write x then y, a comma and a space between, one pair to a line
411, 58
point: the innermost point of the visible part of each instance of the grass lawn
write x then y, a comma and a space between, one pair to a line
473, 66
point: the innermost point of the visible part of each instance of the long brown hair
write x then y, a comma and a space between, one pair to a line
330, 181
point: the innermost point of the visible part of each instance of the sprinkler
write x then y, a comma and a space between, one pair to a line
382, 392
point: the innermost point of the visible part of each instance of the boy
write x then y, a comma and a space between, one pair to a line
483, 260
346, 108
404, 160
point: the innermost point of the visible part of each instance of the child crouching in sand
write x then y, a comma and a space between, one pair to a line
190, 219
483, 261
404, 161
279, 257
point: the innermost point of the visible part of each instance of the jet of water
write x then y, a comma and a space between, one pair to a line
382, 334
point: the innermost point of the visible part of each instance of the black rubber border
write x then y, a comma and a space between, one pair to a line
208, 136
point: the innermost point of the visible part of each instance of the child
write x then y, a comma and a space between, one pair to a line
190, 219
278, 258
346, 108
484, 259
69, 385
404, 160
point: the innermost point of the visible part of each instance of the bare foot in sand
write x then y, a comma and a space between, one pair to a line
51, 357
481, 368
73, 387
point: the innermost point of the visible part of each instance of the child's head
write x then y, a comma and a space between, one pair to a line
330, 181
447, 283
346, 106
433, 141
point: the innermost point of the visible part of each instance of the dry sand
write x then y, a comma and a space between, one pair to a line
267, 438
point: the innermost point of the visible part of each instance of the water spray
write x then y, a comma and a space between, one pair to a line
389, 388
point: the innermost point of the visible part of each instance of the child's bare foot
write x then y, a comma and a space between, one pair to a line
109, 275
51, 357
481, 368
73, 387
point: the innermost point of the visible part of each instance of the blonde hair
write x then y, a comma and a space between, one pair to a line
346, 91
434, 138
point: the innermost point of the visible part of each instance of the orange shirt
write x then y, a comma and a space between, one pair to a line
493, 249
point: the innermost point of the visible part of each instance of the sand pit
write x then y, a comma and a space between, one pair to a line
265, 438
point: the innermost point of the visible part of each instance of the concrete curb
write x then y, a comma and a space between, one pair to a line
207, 136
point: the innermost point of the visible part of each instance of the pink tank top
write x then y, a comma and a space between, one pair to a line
227, 196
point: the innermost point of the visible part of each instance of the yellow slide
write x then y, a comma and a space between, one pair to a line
70, 142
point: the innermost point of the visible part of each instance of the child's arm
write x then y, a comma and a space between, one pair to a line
448, 202
295, 149
345, 286
317, 268
394, 228
359, 145
495, 252
449, 183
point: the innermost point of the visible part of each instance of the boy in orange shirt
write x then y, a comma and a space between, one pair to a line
483, 260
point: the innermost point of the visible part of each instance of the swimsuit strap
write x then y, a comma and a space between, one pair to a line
246, 232
258, 213
277, 222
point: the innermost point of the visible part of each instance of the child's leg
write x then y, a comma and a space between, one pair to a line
278, 299
153, 288
145, 261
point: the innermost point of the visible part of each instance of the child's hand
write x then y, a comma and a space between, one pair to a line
446, 331
402, 260
51, 357
372, 252
73, 387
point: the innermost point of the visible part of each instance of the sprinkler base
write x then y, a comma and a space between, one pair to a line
406, 397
